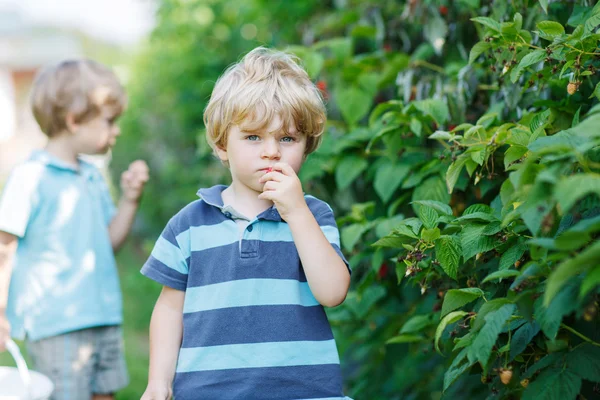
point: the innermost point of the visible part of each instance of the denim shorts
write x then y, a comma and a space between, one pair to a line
82, 363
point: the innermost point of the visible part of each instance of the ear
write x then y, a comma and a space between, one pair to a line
72, 126
222, 153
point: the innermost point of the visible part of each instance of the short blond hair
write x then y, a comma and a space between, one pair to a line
78, 87
264, 84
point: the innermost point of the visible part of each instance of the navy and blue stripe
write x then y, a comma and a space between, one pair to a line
252, 327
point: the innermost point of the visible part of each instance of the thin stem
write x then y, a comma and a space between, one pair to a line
581, 336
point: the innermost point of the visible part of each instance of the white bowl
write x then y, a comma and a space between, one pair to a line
13, 388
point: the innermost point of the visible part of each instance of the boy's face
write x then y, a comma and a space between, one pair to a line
250, 154
97, 135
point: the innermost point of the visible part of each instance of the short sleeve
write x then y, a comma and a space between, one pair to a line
168, 263
326, 221
19, 198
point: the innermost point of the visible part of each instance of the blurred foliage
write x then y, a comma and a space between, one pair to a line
461, 157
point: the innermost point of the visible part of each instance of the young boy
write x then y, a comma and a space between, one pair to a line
248, 268
56, 211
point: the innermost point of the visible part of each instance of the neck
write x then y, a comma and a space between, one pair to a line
61, 148
245, 200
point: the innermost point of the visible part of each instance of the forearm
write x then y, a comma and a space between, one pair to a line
326, 272
121, 223
8, 245
166, 331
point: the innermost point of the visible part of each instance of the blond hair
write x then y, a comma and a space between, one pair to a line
77, 87
265, 84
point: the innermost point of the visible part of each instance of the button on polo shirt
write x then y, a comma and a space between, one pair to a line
252, 327
64, 276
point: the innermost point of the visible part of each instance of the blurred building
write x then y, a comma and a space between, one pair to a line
24, 49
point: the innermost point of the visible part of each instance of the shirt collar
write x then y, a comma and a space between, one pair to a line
49, 160
212, 196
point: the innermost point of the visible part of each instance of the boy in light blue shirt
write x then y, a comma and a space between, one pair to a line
59, 223
247, 269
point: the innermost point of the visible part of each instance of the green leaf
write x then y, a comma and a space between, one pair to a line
418, 322
489, 22
355, 105
351, 234
550, 29
388, 177
438, 206
405, 339
478, 49
544, 4
442, 135
487, 308
481, 349
569, 268
532, 58
416, 126
456, 298
432, 188
550, 359
572, 188
454, 172
448, 252
459, 366
585, 362
478, 216
394, 242
510, 256
513, 154
596, 92
592, 22
540, 120
549, 318
591, 281
553, 384
437, 109
428, 215
447, 320
522, 337
508, 273
348, 170
473, 241
430, 235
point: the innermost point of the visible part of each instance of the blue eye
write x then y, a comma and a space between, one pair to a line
252, 138
288, 139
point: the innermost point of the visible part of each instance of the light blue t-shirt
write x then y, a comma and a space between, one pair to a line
64, 275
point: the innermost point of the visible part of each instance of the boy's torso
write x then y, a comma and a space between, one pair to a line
64, 277
251, 324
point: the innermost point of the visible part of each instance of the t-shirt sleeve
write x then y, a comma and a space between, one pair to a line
326, 221
19, 198
168, 263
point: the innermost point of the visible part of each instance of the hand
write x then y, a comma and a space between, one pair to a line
283, 188
4, 331
133, 180
157, 391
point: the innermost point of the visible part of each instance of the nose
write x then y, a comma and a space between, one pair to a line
270, 149
116, 131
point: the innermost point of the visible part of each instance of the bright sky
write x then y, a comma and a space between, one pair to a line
120, 21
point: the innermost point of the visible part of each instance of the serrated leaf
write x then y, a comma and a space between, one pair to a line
456, 298
550, 29
448, 252
510, 256
572, 188
428, 216
532, 58
478, 49
390, 241
473, 241
430, 235
585, 362
454, 172
591, 281
387, 179
348, 170
478, 208
438, 206
418, 322
441, 135
435, 108
481, 349
553, 384
522, 337
489, 22
544, 362
448, 319
549, 318
459, 366
508, 273
540, 120
583, 261
356, 103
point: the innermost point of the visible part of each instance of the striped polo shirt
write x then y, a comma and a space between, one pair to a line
252, 329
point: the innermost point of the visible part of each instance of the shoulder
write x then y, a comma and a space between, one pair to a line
28, 170
196, 213
317, 206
